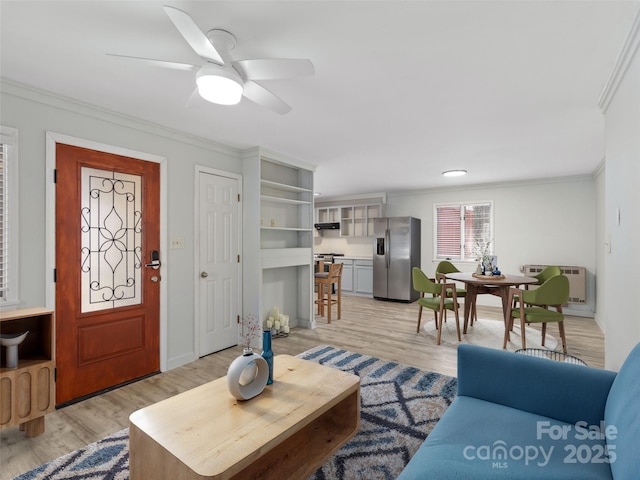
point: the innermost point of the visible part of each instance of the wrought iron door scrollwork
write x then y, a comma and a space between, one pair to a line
111, 250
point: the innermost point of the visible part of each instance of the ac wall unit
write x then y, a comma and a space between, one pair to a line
576, 276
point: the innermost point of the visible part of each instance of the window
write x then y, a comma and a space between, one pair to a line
8, 217
460, 228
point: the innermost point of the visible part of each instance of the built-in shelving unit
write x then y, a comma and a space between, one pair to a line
27, 392
281, 191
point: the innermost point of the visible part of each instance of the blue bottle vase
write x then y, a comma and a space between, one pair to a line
267, 353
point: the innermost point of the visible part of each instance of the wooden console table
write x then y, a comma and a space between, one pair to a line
27, 392
288, 431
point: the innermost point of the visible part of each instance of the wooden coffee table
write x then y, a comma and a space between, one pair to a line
287, 431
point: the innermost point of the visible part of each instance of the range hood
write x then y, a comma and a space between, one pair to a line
327, 226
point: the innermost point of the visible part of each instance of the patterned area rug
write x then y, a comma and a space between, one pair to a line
400, 406
488, 333
106, 459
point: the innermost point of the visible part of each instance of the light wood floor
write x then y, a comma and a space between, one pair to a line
382, 329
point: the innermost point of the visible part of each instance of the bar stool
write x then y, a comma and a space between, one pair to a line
328, 280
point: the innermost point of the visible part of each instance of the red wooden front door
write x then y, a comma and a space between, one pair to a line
107, 300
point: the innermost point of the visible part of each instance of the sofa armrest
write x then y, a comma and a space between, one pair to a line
563, 391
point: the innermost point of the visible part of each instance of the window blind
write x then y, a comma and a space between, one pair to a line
448, 232
460, 228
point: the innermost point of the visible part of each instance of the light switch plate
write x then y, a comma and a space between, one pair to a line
176, 242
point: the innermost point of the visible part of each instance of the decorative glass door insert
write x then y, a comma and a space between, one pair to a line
111, 245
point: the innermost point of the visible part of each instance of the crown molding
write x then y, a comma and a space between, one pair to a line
26, 92
600, 168
272, 155
627, 53
495, 185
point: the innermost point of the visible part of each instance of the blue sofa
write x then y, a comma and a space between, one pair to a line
520, 417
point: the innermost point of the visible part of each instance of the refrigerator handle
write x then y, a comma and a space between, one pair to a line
387, 240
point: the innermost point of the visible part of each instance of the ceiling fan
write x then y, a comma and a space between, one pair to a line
223, 80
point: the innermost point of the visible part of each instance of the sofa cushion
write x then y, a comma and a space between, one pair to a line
538, 385
484, 440
622, 412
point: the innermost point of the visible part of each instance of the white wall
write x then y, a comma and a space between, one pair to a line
330, 241
540, 222
33, 114
622, 140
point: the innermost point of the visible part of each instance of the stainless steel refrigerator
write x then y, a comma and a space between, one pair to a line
396, 251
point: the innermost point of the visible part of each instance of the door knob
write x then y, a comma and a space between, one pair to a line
204, 274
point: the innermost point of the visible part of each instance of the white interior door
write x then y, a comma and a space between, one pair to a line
219, 292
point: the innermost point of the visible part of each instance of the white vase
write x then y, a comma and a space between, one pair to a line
11, 342
247, 375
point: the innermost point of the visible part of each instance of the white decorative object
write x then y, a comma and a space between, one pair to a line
247, 375
11, 342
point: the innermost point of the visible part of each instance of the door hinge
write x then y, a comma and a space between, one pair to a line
55, 175
55, 275
238, 258
55, 374
238, 197
238, 319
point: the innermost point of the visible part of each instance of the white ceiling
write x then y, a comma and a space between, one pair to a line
507, 90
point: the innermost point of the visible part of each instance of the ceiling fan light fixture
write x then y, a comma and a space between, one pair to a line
219, 85
454, 173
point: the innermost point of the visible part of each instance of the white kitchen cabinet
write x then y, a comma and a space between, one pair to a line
363, 276
357, 275
347, 274
277, 236
327, 214
356, 220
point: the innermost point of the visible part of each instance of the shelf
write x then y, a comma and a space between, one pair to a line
26, 363
287, 229
285, 257
283, 187
290, 201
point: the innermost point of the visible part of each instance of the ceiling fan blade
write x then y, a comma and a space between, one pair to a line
263, 97
159, 63
275, 68
194, 99
193, 35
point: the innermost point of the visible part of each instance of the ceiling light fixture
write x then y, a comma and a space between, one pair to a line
454, 173
219, 85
